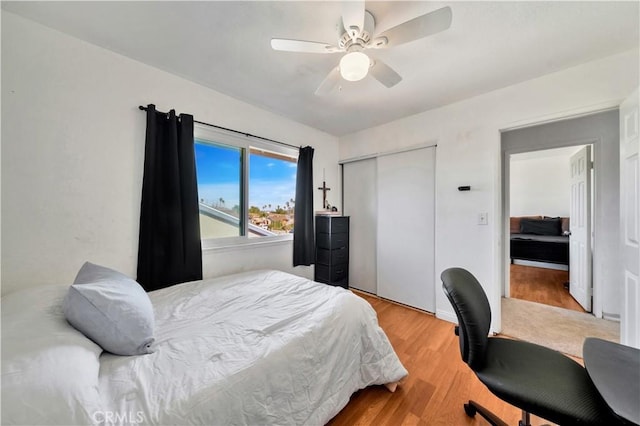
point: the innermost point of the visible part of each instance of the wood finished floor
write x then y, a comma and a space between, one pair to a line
542, 286
439, 383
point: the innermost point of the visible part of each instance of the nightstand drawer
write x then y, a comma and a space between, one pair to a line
332, 257
332, 225
332, 241
330, 274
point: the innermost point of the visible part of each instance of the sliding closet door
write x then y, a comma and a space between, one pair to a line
360, 203
405, 240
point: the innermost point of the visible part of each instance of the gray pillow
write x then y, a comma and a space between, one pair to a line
111, 309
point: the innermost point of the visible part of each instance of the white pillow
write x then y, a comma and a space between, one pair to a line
49, 369
111, 309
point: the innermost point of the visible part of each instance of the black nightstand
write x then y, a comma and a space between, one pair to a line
332, 250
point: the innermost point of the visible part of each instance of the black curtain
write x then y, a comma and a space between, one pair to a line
169, 249
303, 236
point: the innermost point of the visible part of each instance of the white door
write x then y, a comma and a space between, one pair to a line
361, 205
630, 216
406, 208
580, 222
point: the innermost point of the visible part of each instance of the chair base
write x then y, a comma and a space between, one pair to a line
472, 407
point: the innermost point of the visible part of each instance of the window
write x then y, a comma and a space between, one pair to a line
246, 188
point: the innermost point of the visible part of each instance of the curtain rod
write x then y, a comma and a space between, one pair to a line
144, 108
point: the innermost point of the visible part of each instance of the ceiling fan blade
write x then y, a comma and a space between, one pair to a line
329, 83
422, 26
353, 17
287, 45
384, 74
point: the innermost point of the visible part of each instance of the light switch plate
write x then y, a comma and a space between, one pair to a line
483, 218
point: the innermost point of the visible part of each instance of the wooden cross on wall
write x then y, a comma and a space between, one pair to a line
324, 190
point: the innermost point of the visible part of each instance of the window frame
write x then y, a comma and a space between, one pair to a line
245, 143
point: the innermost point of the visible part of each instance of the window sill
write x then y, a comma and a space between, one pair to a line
231, 244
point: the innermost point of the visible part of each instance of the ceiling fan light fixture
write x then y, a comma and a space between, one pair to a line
354, 66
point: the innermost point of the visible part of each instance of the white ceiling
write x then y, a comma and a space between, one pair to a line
226, 46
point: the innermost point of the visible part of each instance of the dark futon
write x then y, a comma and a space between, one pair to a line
540, 239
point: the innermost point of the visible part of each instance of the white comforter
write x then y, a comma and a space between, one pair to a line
253, 348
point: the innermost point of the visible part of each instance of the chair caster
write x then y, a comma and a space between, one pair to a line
470, 410
472, 407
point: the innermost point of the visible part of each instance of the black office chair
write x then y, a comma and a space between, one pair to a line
533, 378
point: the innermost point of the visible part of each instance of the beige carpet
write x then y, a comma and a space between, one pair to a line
556, 328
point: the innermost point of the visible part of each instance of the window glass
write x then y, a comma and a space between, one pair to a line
219, 174
272, 190
245, 191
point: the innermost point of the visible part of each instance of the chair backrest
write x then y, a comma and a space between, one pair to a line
473, 311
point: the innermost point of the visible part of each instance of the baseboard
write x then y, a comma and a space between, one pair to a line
610, 316
446, 316
367, 294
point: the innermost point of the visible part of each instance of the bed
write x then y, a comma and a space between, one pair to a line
540, 239
262, 347
540, 248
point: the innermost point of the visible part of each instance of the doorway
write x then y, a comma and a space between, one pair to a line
601, 131
540, 192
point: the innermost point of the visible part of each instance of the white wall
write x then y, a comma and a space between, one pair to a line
468, 137
540, 183
73, 151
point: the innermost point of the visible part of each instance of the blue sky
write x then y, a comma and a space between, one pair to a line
271, 181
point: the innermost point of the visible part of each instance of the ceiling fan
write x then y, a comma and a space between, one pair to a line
358, 35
